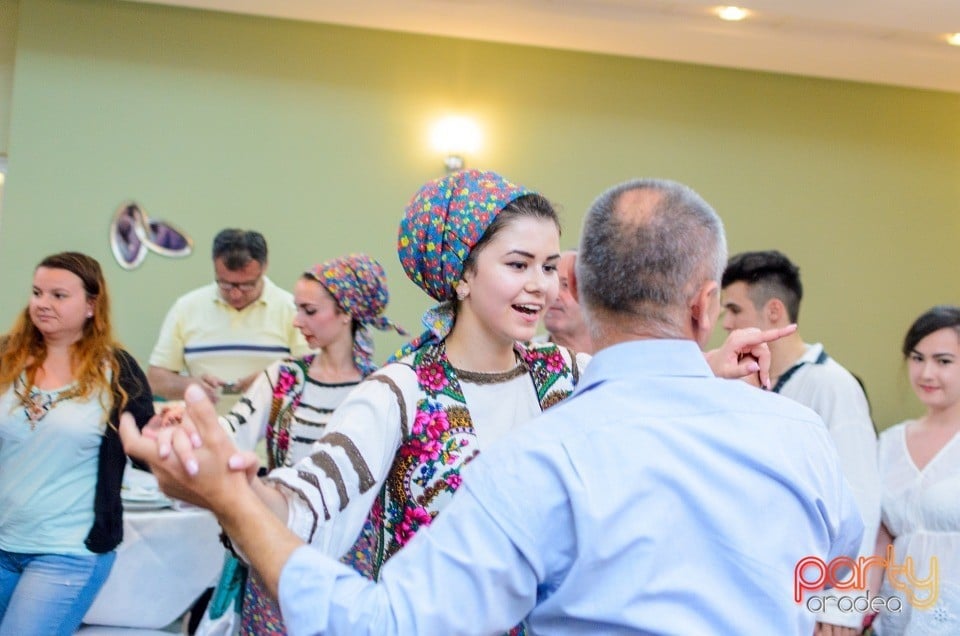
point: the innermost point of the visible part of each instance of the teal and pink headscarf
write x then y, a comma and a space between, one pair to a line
359, 285
442, 223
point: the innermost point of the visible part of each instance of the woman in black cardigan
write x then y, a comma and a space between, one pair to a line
63, 382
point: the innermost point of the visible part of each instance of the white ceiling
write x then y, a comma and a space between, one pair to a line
899, 42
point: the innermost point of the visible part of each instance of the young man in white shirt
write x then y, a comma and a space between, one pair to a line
763, 289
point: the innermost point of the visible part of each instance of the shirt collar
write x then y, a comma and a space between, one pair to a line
639, 358
811, 354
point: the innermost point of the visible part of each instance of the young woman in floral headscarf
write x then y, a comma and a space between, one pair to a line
291, 402
390, 459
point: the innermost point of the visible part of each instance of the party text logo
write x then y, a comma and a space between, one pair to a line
843, 574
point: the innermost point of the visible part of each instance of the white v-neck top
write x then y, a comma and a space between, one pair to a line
921, 508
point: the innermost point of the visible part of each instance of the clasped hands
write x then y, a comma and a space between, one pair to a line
191, 455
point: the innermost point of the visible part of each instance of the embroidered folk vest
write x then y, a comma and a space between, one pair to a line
439, 443
287, 392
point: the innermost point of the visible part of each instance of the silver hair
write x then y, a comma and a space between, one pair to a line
646, 263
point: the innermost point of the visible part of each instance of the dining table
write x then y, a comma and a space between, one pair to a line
170, 553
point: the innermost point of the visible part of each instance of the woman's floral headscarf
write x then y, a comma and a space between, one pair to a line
359, 285
442, 223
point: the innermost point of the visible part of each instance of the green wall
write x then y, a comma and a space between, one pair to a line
317, 135
8, 46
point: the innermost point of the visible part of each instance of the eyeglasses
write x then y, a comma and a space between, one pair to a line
247, 286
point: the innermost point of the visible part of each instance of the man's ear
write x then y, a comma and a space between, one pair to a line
774, 311
572, 282
704, 310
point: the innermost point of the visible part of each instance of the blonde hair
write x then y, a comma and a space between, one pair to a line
93, 361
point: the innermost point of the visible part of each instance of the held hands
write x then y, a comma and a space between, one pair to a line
194, 460
744, 354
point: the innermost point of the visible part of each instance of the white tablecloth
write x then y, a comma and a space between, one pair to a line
166, 560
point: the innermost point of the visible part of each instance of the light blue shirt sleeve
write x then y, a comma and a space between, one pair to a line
464, 575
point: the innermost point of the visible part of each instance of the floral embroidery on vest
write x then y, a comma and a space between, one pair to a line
287, 392
441, 441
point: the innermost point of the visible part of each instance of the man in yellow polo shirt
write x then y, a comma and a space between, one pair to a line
223, 334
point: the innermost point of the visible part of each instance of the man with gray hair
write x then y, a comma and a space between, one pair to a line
657, 499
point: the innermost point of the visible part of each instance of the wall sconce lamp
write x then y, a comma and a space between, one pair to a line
455, 137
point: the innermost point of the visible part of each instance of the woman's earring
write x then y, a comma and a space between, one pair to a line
462, 291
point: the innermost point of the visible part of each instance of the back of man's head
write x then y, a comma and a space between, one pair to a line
236, 248
767, 274
648, 246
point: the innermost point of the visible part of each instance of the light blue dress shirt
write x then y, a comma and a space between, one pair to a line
658, 499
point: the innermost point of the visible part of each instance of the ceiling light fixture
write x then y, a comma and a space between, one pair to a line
954, 39
732, 14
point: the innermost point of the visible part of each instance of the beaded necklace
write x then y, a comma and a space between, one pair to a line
37, 403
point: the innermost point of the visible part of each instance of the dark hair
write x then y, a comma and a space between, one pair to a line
646, 259
236, 248
355, 324
531, 205
934, 319
768, 274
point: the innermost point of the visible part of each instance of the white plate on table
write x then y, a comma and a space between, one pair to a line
139, 506
144, 499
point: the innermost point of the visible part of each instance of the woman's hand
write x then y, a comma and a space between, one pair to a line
171, 414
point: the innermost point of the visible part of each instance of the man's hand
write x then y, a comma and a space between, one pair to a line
192, 461
211, 386
744, 354
244, 383
171, 385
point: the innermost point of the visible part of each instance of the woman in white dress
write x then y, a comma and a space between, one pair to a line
920, 477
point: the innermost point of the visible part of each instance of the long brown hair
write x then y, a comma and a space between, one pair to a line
93, 362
